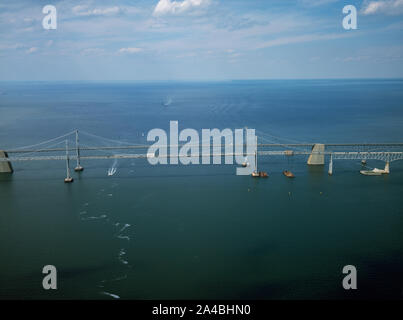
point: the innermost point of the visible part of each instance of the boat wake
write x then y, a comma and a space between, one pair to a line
167, 102
114, 168
119, 234
115, 296
94, 218
122, 253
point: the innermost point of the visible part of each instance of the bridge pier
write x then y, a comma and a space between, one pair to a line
5, 166
387, 167
330, 172
317, 156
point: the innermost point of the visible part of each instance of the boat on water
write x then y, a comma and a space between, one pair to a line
376, 171
260, 174
256, 173
288, 174
111, 171
245, 163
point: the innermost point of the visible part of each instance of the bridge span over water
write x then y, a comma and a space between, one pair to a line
57, 149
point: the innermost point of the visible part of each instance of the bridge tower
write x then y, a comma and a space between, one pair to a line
68, 178
78, 168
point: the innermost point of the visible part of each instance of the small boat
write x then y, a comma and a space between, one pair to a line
374, 172
111, 171
257, 174
363, 162
288, 174
260, 174
370, 173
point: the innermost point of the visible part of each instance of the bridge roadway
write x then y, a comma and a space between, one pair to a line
262, 145
382, 155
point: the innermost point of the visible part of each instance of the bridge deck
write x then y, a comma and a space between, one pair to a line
381, 155
264, 145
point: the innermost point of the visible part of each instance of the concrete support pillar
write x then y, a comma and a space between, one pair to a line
387, 167
5, 166
317, 156
330, 172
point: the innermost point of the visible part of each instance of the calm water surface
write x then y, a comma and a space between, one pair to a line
189, 232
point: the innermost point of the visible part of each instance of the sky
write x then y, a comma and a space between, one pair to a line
200, 40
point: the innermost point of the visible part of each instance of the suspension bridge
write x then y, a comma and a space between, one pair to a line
69, 147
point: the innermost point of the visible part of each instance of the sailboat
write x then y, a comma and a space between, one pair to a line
245, 163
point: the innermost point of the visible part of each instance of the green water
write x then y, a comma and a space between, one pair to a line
193, 232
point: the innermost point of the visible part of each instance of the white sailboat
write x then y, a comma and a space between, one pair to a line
245, 162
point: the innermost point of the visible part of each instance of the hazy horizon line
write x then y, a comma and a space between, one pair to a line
208, 80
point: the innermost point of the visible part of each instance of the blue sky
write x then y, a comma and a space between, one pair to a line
200, 40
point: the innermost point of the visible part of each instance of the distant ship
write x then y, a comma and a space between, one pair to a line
288, 174
376, 171
256, 173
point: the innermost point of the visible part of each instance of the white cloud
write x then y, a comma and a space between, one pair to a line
85, 11
316, 3
130, 50
92, 51
11, 46
186, 55
165, 7
302, 39
32, 50
384, 6
29, 29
